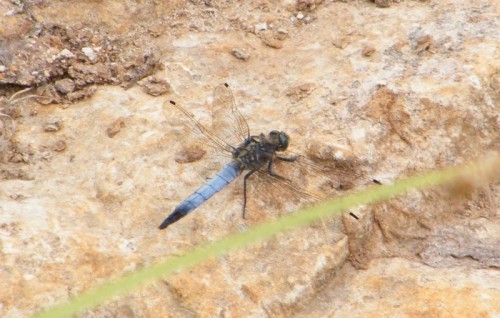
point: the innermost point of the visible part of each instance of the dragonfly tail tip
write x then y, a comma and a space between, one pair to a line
162, 226
180, 212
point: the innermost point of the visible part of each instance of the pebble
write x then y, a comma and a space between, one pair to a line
368, 50
65, 85
65, 53
260, 27
54, 124
155, 86
424, 43
189, 154
239, 54
60, 145
90, 54
115, 127
272, 42
282, 31
495, 82
341, 43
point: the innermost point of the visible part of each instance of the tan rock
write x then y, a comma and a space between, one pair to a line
87, 213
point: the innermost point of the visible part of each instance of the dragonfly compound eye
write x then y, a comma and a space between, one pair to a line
283, 139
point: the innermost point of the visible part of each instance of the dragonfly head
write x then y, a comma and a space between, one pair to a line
280, 139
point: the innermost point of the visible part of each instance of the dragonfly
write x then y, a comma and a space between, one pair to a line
252, 154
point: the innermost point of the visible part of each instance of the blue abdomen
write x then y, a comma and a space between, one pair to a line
227, 174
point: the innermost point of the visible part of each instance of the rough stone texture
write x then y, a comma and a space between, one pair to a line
397, 287
80, 204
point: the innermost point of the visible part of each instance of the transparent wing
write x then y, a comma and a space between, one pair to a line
339, 174
307, 182
227, 121
215, 140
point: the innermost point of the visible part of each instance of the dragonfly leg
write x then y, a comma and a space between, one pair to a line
271, 172
291, 159
245, 191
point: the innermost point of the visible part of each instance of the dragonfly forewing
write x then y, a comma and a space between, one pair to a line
215, 140
228, 128
227, 121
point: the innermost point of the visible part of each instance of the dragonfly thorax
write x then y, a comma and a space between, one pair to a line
256, 151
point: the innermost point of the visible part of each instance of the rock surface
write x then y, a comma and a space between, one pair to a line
385, 88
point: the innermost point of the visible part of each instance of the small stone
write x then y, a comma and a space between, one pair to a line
82, 93
96, 39
300, 92
65, 53
154, 86
47, 94
260, 27
18, 197
2, 68
271, 42
283, 31
240, 54
308, 5
46, 155
65, 86
90, 54
368, 50
59, 146
424, 43
51, 128
495, 82
156, 30
281, 34
52, 125
17, 158
189, 154
300, 16
115, 127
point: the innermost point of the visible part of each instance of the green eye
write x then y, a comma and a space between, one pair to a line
284, 139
